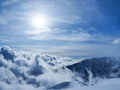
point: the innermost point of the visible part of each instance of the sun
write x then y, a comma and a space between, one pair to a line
39, 21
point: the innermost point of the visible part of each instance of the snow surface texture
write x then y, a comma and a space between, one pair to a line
20, 70
109, 84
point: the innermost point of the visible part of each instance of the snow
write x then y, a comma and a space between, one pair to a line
107, 84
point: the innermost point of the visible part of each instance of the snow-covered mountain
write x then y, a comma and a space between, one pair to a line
99, 67
21, 70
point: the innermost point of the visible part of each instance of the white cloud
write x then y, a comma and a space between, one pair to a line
37, 31
65, 35
3, 19
31, 69
51, 36
83, 50
116, 41
5, 40
58, 34
9, 2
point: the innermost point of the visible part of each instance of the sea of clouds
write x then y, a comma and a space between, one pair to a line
21, 70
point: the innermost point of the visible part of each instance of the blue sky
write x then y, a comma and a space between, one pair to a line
68, 27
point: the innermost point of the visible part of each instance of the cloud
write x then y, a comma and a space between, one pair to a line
51, 36
31, 70
66, 35
57, 34
5, 40
116, 41
37, 31
65, 15
60, 11
9, 2
84, 50
3, 19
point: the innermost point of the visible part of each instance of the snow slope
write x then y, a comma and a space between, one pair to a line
108, 84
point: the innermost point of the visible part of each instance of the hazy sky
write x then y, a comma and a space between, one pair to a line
62, 27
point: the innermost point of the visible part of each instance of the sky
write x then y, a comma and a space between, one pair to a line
62, 27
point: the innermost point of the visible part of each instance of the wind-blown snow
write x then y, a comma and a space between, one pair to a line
20, 70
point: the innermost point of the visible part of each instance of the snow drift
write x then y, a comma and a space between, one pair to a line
20, 70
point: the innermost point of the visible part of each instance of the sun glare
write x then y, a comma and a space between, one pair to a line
39, 21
